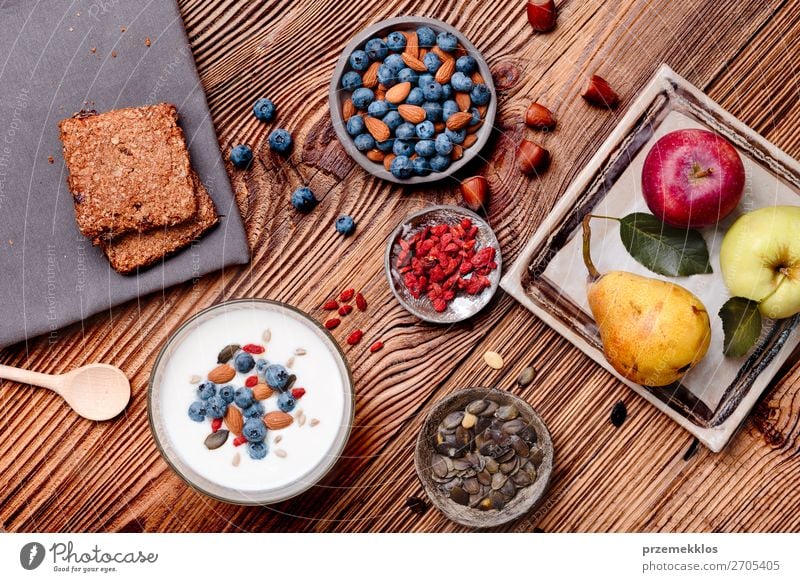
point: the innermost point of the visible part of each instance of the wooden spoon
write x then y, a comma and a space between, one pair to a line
96, 391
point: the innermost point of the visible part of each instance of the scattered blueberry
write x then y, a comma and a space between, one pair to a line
243, 397
424, 79
303, 199
395, 63
426, 37
385, 146
261, 363
433, 111
432, 91
257, 450
359, 60
440, 163
456, 136
197, 411
415, 97
407, 75
476, 116
466, 64
206, 390
421, 166
447, 41
264, 110
351, 81
480, 94
376, 49
362, 97
403, 148
461, 82
346, 226
241, 156
378, 109
277, 376
227, 393
425, 130
432, 62
244, 362
286, 402
392, 120
396, 41
405, 130
216, 407
447, 91
254, 430
425, 148
255, 410
355, 125
280, 140
364, 142
448, 108
401, 167
443, 145
387, 76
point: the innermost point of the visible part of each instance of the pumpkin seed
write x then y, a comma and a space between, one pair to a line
469, 420
526, 376
453, 419
507, 412
300, 352
492, 466
536, 455
493, 360
314, 422
237, 458
278, 439
460, 496
472, 486
497, 499
514, 426
195, 379
477, 406
508, 490
216, 439
491, 408
226, 354
281, 453
521, 479
290, 362
439, 466
484, 478
266, 336
498, 480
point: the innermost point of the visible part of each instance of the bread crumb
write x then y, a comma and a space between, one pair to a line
122, 29
113, 54
147, 41
71, 29
93, 49
51, 160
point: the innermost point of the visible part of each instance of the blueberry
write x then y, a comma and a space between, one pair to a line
403, 148
447, 91
448, 108
426, 37
424, 79
439, 163
395, 63
197, 411
286, 402
255, 410
243, 397
443, 145
385, 146
362, 97
425, 148
359, 60
378, 109
261, 363
303, 199
364, 142
264, 110
254, 430
421, 166
241, 156
387, 76
396, 41
466, 65
405, 130
257, 450
355, 125
432, 91
456, 136
415, 97
376, 49
280, 141
425, 130
461, 82
432, 62
433, 111
393, 120
351, 81
227, 393
480, 94
206, 390
216, 407
244, 362
277, 376
407, 75
346, 226
447, 41
401, 167
476, 116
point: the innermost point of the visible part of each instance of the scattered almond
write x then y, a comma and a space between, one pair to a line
261, 391
412, 113
457, 153
474, 128
379, 130
398, 93
414, 63
441, 54
459, 120
477, 77
277, 420
470, 140
412, 43
463, 101
370, 78
234, 420
221, 374
348, 109
375, 155
446, 71
387, 161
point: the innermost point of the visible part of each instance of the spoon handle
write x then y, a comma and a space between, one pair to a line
27, 377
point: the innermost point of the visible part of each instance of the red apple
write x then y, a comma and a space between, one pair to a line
692, 178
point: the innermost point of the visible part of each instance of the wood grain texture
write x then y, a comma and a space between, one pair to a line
61, 473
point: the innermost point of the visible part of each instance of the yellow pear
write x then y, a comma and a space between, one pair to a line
652, 331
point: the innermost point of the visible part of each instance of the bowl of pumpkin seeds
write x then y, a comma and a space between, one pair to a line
484, 457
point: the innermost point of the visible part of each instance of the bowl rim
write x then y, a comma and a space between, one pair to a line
482, 519
332, 455
336, 113
450, 208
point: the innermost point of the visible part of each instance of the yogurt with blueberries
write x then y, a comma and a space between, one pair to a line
252, 399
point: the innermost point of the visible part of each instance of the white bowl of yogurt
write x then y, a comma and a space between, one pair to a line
305, 418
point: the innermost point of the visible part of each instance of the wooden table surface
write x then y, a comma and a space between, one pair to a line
62, 473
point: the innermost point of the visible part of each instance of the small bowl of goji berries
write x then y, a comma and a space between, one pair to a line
443, 264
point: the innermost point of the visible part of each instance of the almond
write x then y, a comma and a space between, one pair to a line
398, 93
482, 110
380, 93
477, 78
348, 109
277, 420
370, 78
375, 155
446, 71
463, 101
412, 113
387, 161
378, 129
262, 391
474, 128
412, 44
221, 374
599, 93
457, 153
539, 117
414, 63
439, 126
459, 120
441, 54
234, 420
470, 140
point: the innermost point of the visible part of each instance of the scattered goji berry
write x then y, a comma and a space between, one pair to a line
331, 305
377, 346
254, 349
298, 393
251, 381
332, 323
345, 310
347, 295
238, 441
216, 424
355, 337
361, 303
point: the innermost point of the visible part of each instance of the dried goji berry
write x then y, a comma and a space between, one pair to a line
361, 303
332, 323
298, 393
251, 381
355, 337
377, 346
216, 424
347, 295
239, 440
345, 310
331, 305
254, 349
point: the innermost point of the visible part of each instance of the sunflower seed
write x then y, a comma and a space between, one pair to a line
266, 336
460, 496
469, 420
290, 362
314, 422
526, 376
278, 439
281, 453
507, 412
195, 379
477, 406
453, 419
237, 458
300, 352
226, 354
216, 439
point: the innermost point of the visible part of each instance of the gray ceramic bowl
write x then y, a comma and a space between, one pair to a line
524, 501
464, 306
336, 97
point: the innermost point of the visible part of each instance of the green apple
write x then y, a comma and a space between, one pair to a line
760, 259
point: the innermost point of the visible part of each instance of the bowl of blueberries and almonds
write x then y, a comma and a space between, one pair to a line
484, 457
412, 100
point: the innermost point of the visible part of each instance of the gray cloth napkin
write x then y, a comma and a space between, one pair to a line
58, 57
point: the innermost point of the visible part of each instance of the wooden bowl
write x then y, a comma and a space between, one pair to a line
336, 97
524, 501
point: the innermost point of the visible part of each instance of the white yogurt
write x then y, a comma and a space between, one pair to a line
326, 399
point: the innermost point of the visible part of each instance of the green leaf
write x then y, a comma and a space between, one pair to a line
664, 249
741, 322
